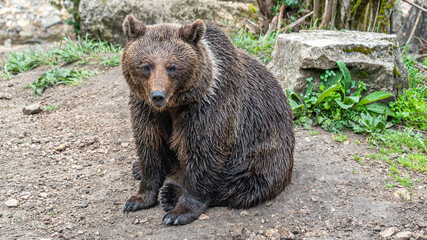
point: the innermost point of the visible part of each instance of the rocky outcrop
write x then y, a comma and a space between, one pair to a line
373, 58
104, 19
31, 21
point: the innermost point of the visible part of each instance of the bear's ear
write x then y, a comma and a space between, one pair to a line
193, 32
133, 28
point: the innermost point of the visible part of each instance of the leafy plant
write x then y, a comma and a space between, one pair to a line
334, 106
58, 76
371, 124
411, 109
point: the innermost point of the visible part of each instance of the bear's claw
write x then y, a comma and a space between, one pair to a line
169, 196
179, 219
136, 170
138, 202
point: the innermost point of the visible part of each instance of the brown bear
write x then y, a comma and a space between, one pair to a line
201, 106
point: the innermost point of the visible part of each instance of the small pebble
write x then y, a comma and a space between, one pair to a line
388, 232
61, 147
32, 109
70, 226
404, 235
12, 203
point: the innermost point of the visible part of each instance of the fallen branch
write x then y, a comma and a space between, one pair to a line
420, 56
279, 21
300, 20
415, 5
271, 27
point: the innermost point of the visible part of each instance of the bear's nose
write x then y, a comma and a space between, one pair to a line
158, 98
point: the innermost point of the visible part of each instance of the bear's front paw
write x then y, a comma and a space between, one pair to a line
180, 217
136, 170
140, 201
169, 195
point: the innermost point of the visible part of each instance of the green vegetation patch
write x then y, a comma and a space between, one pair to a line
82, 51
406, 153
338, 104
59, 76
19, 62
411, 108
340, 137
260, 46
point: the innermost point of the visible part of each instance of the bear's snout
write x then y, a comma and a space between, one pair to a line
158, 98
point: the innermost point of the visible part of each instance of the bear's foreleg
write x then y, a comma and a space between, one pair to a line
152, 174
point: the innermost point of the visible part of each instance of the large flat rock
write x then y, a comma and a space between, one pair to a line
373, 58
104, 19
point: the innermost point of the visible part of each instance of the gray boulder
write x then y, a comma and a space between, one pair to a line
373, 58
104, 19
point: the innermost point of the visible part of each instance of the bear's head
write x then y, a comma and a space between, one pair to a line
164, 64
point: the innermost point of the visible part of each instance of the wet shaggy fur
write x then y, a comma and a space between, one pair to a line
223, 121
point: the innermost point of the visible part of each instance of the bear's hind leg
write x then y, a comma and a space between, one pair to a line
257, 183
169, 195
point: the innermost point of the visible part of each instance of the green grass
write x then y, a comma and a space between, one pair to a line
405, 152
340, 137
82, 51
260, 46
395, 170
59, 76
358, 159
111, 61
414, 161
19, 62
416, 78
49, 108
401, 141
314, 133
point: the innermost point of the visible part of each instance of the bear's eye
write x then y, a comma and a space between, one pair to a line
147, 68
171, 69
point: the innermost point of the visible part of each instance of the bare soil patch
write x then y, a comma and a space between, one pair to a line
70, 171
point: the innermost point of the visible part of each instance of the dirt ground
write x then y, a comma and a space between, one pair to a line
70, 170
